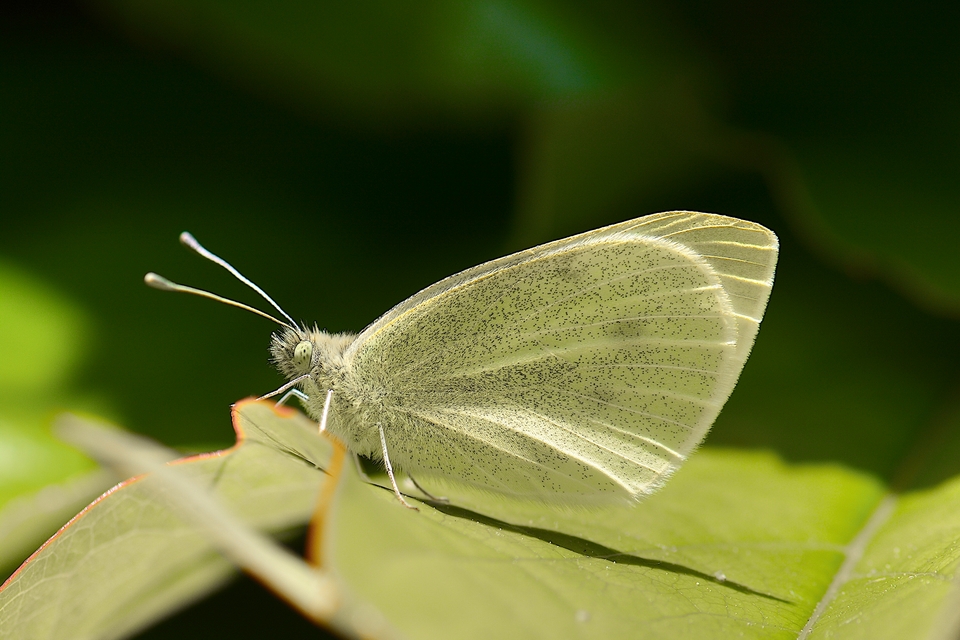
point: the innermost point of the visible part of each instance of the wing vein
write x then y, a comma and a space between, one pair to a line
594, 443
649, 441
491, 444
619, 406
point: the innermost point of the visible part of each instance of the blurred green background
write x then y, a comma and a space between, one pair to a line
345, 155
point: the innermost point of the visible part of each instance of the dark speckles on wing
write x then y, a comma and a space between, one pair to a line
588, 370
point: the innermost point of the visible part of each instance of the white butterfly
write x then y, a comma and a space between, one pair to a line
582, 370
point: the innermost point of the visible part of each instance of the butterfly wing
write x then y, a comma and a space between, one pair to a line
585, 368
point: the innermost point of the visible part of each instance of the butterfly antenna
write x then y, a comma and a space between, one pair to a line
161, 283
191, 243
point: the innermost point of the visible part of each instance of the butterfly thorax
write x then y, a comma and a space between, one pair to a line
299, 352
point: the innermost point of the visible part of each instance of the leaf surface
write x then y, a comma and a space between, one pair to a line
127, 559
736, 545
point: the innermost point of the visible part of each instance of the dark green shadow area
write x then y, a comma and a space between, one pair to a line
110, 150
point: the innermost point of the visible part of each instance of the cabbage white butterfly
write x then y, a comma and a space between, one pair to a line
578, 371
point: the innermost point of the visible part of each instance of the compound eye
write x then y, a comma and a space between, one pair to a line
303, 355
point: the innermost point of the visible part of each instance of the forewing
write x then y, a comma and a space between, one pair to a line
743, 255
584, 368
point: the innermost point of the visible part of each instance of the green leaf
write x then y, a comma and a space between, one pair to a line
32, 517
735, 545
127, 559
902, 577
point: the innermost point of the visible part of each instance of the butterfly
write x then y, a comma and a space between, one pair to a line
584, 370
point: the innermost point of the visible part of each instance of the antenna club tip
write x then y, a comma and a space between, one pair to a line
157, 282
187, 238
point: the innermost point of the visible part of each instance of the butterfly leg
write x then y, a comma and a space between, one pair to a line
386, 463
326, 411
363, 476
294, 393
427, 493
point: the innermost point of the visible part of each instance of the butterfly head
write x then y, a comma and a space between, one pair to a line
297, 352
292, 352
